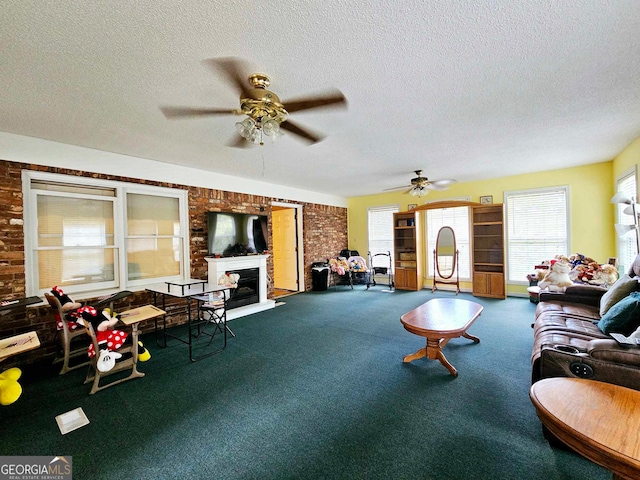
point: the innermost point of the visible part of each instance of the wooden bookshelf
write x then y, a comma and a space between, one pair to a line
407, 240
488, 251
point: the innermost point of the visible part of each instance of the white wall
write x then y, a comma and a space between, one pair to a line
23, 149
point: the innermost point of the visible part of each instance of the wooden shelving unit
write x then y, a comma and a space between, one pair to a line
407, 240
488, 251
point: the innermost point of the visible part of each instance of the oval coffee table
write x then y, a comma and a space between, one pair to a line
598, 420
440, 320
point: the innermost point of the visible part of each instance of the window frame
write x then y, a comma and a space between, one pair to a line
394, 208
621, 218
534, 191
121, 189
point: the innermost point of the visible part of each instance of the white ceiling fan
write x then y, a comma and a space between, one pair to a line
421, 185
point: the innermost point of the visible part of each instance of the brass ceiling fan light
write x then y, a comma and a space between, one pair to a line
265, 114
421, 185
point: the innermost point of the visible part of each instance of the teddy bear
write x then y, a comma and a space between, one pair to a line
557, 278
10, 389
69, 308
109, 339
229, 279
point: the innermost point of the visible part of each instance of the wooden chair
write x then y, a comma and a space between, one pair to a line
67, 336
129, 361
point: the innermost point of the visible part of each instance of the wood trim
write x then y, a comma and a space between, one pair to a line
445, 204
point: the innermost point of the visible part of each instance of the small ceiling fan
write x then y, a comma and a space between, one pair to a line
421, 185
265, 113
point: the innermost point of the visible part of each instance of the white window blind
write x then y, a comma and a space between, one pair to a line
458, 219
627, 245
75, 236
537, 229
380, 233
154, 242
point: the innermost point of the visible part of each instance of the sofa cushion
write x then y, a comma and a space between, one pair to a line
610, 351
619, 290
634, 269
623, 317
567, 324
576, 310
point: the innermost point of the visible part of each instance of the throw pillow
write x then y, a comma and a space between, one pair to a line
623, 317
619, 290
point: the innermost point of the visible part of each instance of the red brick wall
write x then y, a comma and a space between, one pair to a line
325, 234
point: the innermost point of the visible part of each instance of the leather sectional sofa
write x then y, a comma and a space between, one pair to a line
569, 343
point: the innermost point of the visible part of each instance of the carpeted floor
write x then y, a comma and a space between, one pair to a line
315, 388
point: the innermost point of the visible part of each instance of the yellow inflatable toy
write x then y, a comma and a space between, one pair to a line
10, 389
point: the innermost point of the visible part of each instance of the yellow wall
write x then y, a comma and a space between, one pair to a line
591, 213
628, 159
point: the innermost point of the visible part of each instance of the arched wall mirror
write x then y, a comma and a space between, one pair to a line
445, 260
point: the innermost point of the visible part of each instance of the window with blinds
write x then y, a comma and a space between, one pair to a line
458, 219
153, 236
537, 229
75, 236
82, 237
380, 233
627, 246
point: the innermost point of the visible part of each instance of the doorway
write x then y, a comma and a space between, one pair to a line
286, 228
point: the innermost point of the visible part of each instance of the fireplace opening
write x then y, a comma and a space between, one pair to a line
248, 290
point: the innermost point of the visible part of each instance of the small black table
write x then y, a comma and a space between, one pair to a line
187, 290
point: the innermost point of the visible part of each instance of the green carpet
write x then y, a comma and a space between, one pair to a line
312, 389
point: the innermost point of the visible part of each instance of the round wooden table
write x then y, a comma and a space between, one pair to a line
598, 420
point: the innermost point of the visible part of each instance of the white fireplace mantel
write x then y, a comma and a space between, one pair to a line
217, 268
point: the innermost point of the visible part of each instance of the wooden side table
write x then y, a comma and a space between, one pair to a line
598, 420
534, 294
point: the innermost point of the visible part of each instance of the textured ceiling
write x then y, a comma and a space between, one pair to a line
463, 89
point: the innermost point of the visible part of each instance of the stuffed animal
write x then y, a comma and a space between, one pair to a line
606, 275
357, 264
109, 339
10, 389
557, 278
578, 273
339, 265
229, 279
69, 308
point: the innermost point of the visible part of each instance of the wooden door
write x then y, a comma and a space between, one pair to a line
285, 252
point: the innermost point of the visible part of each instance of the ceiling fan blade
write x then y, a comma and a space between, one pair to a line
238, 142
440, 184
183, 112
397, 188
234, 70
297, 130
335, 98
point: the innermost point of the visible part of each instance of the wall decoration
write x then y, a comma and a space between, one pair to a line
412, 206
486, 199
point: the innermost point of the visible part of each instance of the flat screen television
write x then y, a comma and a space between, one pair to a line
231, 234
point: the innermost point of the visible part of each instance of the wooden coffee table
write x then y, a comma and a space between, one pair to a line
598, 420
440, 320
